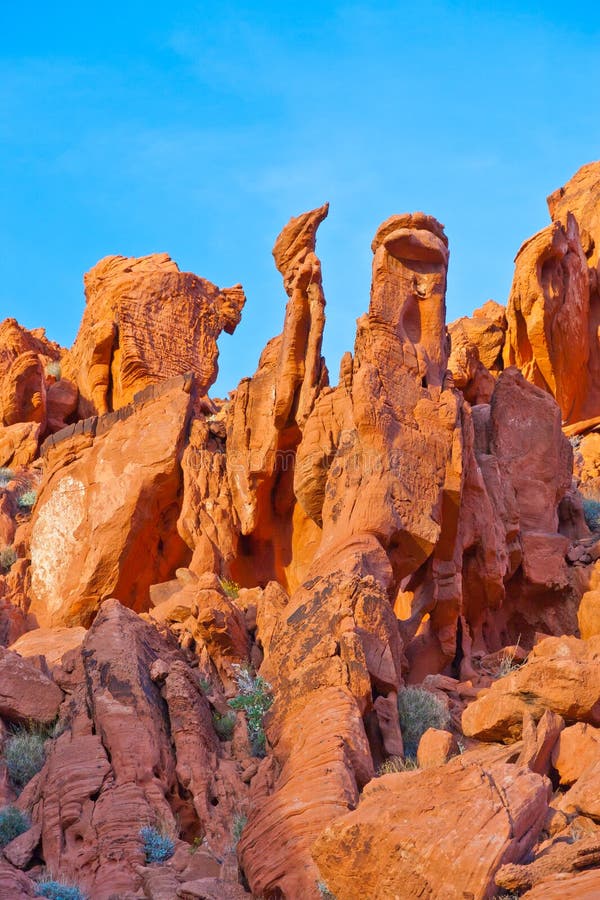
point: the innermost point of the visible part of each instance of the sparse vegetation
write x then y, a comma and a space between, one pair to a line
53, 369
575, 441
27, 499
591, 511
224, 725
195, 845
8, 558
13, 822
231, 588
397, 764
239, 823
324, 891
58, 890
158, 846
24, 754
509, 663
255, 700
419, 710
6, 475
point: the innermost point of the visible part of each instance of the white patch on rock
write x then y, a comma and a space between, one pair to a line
53, 538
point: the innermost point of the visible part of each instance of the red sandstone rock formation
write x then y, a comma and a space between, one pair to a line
417, 523
145, 322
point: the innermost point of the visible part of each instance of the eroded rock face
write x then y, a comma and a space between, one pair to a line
145, 322
133, 753
385, 844
562, 675
105, 520
554, 307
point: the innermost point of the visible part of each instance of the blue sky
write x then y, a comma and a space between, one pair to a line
199, 130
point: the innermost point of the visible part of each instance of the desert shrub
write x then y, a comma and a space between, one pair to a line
8, 557
58, 890
591, 511
231, 588
53, 369
397, 764
27, 499
158, 846
224, 725
6, 475
24, 754
255, 700
509, 663
419, 710
324, 891
12, 823
239, 823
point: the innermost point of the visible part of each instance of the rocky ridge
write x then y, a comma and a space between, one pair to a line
216, 614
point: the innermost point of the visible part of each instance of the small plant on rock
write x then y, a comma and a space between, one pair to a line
158, 846
239, 823
6, 475
255, 700
8, 558
591, 511
24, 754
58, 890
509, 663
53, 369
397, 764
13, 822
231, 588
224, 725
324, 891
419, 710
27, 500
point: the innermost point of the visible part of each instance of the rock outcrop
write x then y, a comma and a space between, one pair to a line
214, 613
146, 322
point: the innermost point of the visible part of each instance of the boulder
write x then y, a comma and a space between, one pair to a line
481, 818
562, 675
26, 693
105, 520
52, 643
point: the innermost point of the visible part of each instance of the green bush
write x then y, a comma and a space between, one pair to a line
24, 754
58, 890
255, 700
224, 725
591, 511
231, 588
419, 710
6, 475
8, 557
13, 822
27, 499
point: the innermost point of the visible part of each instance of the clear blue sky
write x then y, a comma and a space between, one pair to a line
199, 128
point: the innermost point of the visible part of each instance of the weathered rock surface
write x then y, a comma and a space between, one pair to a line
105, 521
146, 322
52, 643
562, 674
26, 693
384, 847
